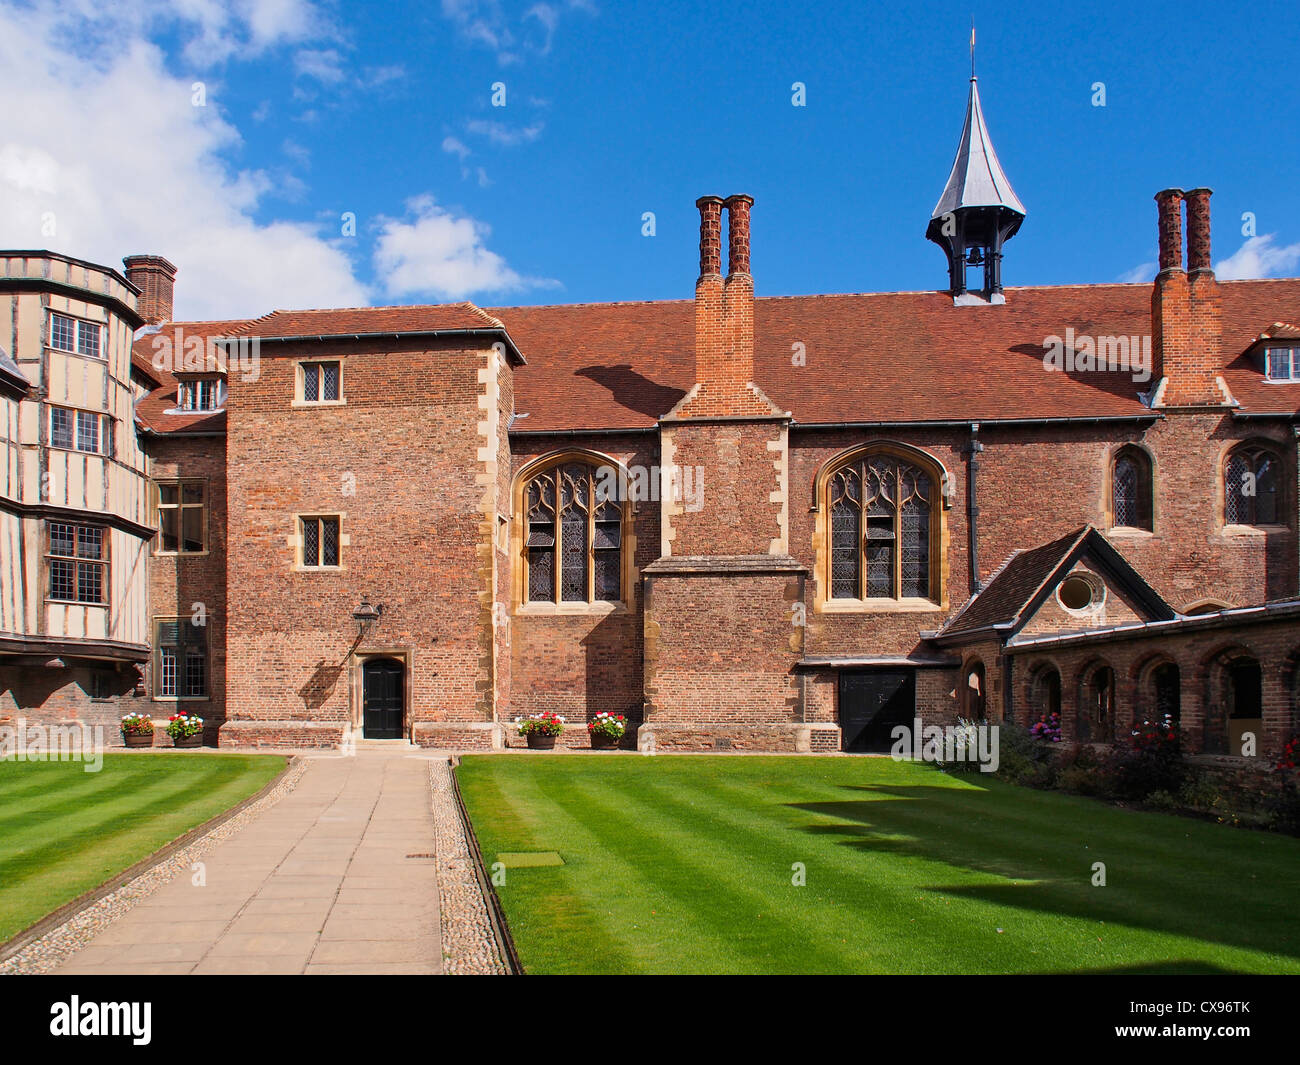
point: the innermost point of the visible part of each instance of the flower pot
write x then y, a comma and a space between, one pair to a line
602, 742
538, 742
138, 739
188, 741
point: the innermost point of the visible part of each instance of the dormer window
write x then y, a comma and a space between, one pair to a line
203, 394
1282, 363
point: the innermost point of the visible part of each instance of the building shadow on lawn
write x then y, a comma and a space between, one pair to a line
970, 829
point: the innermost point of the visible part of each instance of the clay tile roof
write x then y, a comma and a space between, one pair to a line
1013, 587
151, 411
1023, 581
888, 357
353, 321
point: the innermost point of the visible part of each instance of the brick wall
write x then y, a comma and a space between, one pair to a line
407, 464
193, 586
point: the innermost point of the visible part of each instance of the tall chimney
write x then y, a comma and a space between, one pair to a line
1169, 204
154, 276
1198, 230
1186, 315
724, 320
738, 300
710, 328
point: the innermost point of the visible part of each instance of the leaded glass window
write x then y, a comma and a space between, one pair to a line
1251, 487
322, 382
573, 537
320, 542
880, 529
1131, 490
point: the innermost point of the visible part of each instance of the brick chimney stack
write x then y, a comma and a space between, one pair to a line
724, 319
1186, 314
155, 277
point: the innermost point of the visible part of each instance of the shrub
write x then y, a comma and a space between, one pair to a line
1284, 806
1023, 758
1150, 762
1084, 772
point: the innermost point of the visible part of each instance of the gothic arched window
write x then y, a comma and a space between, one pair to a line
883, 526
1251, 486
1131, 489
573, 535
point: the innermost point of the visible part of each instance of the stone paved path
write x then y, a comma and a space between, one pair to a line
320, 883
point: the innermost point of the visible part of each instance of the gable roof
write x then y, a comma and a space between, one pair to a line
882, 358
1020, 585
874, 358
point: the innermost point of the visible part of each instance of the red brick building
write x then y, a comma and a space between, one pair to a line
764, 524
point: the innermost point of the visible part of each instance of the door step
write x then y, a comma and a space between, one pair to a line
362, 744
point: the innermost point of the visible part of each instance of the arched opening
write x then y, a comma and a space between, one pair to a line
383, 698
1045, 697
1244, 702
1097, 706
975, 692
1166, 685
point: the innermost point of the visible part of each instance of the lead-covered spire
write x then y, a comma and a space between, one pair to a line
978, 211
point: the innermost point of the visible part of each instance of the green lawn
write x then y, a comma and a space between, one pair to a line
684, 865
64, 831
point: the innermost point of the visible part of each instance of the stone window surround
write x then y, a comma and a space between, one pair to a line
543, 464
310, 404
938, 602
294, 541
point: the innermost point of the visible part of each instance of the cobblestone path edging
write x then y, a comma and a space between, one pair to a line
469, 943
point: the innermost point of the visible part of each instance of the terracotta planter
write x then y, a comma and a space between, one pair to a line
538, 742
189, 741
601, 742
138, 739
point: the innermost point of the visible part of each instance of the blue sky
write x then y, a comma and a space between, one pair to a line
612, 110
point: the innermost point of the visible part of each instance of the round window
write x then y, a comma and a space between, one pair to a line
1079, 593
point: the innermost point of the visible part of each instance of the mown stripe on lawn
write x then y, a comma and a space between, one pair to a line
909, 886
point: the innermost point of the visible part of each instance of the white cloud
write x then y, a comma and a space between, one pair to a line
1259, 257
112, 147
455, 146
486, 23
1141, 272
502, 135
323, 64
441, 255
